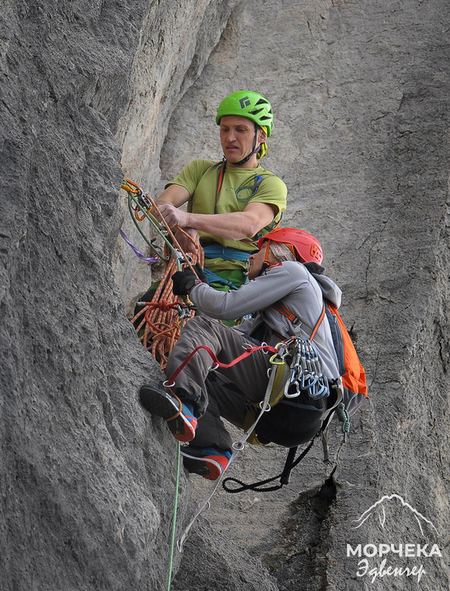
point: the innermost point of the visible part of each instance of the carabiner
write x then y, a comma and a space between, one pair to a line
274, 357
322, 393
280, 354
287, 387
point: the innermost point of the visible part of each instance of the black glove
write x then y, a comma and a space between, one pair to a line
184, 281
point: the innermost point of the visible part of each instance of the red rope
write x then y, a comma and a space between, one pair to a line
213, 356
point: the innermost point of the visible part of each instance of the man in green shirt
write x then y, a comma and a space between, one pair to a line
232, 203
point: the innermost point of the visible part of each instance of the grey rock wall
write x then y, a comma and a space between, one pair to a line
88, 91
86, 485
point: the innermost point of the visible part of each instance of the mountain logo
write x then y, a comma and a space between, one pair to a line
378, 510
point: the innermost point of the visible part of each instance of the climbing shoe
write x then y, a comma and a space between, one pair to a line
208, 462
180, 417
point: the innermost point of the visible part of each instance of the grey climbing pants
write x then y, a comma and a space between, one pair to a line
226, 393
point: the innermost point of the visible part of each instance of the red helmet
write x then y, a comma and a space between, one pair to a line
306, 246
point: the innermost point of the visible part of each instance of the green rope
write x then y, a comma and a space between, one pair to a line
159, 229
174, 519
175, 505
155, 248
156, 225
344, 417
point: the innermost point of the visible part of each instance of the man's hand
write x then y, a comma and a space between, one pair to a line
174, 216
184, 242
184, 281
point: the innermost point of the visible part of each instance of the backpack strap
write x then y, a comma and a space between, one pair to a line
289, 314
318, 323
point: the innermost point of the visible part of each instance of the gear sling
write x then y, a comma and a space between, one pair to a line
299, 410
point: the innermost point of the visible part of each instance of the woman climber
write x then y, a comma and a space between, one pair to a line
286, 296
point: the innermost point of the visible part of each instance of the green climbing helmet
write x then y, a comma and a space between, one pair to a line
248, 104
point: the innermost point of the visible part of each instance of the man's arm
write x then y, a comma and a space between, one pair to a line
235, 226
175, 195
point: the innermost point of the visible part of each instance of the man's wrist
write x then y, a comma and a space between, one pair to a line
189, 221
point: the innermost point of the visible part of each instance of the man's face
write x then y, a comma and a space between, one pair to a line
256, 263
237, 135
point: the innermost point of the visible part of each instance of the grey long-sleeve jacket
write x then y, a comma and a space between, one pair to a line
289, 283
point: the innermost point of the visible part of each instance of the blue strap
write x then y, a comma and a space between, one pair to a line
212, 277
216, 251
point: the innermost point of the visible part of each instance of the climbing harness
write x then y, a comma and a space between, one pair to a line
216, 251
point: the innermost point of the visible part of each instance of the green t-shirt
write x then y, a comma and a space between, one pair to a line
240, 187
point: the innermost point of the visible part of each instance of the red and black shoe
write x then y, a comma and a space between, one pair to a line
180, 418
208, 462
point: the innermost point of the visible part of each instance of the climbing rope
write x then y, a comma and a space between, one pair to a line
159, 321
174, 518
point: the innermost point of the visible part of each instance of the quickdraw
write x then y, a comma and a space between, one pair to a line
306, 373
140, 207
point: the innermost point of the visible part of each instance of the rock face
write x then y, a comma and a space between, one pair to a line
360, 93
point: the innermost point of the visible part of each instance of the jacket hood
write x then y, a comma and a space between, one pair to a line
330, 290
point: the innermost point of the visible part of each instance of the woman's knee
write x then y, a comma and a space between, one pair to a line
201, 324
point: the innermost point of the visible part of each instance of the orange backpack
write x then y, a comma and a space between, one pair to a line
350, 367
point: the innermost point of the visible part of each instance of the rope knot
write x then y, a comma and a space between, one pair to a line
164, 305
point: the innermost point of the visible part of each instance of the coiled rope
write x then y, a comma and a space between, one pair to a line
159, 321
